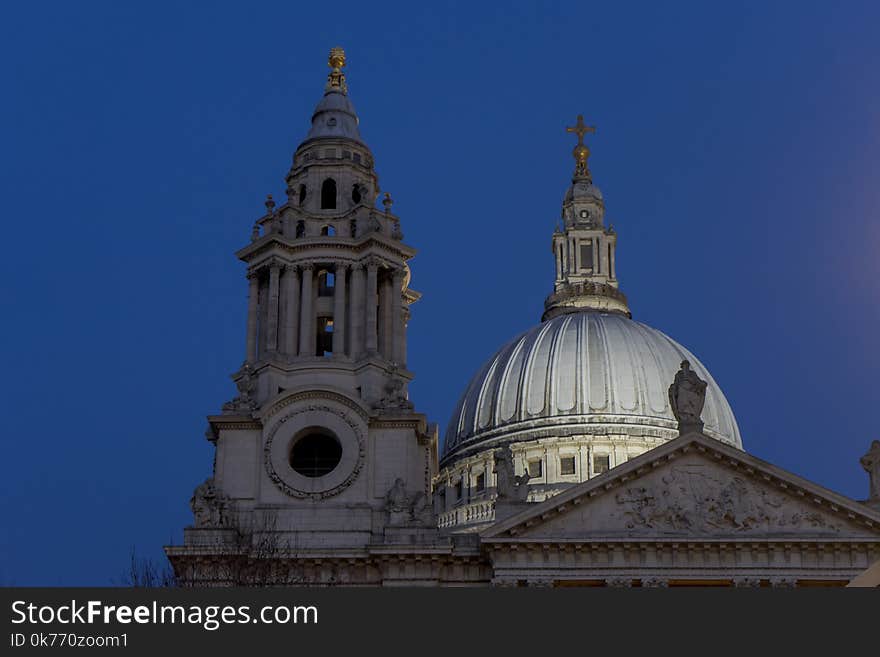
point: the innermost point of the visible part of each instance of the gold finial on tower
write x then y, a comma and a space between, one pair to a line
336, 79
581, 152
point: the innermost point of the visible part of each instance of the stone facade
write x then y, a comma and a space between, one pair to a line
325, 474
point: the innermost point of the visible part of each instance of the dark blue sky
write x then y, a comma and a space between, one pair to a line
737, 147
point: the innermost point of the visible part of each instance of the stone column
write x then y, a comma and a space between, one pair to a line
339, 299
306, 320
557, 252
291, 294
596, 265
272, 324
402, 343
612, 265
372, 300
253, 292
397, 319
357, 310
384, 328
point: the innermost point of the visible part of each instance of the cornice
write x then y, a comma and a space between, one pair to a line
397, 250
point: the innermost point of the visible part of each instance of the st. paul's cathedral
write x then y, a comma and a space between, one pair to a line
591, 450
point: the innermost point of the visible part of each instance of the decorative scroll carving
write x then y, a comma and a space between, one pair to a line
510, 486
687, 394
691, 501
246, 383
405, 509
210, 506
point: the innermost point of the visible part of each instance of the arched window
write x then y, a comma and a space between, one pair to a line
356, 194
328, 194
300, 228
302, 194
328, 231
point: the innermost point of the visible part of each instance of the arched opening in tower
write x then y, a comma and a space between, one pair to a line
328, 194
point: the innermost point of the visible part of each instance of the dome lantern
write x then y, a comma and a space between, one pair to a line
584, 249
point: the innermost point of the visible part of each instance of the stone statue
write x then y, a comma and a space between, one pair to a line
246, 383
403, 508
209, 505
687, 394
394, 397
871, 463
509, 486
396, 498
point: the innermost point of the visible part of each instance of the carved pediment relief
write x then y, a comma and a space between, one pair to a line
699, 498
689, 492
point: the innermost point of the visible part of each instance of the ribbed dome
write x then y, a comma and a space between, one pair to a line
580, 373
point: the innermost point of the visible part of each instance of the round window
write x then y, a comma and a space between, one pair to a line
315, 453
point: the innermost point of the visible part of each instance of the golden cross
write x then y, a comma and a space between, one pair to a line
580, 129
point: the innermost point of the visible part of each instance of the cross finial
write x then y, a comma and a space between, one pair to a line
581, 151
581, 129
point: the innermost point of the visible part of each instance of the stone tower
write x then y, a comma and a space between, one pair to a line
321, 447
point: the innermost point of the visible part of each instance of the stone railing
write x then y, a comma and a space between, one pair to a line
468, 514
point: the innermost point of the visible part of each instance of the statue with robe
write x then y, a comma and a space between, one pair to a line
871, 463
687, 394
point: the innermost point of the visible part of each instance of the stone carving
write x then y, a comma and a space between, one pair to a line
403, 508
396, 233
619, 582
395, 396
210, 506
246, 383
687, 394
285, 486
871, 463
510, 487
746, 582
692, 501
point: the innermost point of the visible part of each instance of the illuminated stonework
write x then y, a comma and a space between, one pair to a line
563, 464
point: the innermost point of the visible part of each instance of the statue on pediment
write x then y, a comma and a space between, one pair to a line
871, 463
509, 486
687, 395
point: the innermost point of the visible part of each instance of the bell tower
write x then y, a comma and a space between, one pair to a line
322, 430
584, 249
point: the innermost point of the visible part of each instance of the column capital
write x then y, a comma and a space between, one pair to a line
307, 266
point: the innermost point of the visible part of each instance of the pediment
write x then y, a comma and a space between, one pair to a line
693, 487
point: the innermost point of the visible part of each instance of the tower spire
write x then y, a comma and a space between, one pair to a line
584, 249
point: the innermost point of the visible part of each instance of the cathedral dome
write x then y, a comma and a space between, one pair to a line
580, 373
